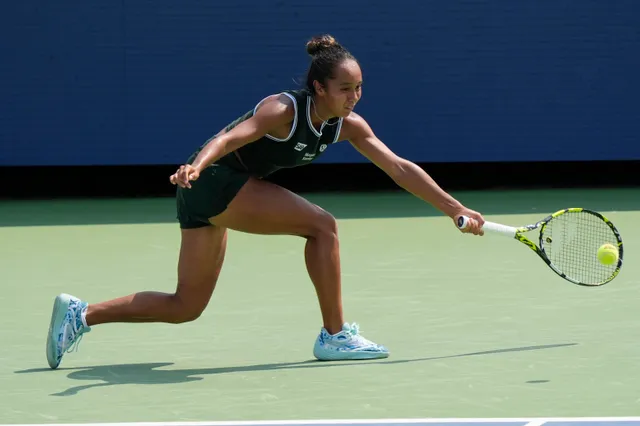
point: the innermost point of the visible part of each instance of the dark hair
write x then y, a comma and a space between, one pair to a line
325, 53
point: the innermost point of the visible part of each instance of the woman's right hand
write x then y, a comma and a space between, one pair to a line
184, 175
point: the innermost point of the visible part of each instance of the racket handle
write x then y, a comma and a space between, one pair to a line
497, 228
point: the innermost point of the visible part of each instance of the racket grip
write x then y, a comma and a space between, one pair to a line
497, 228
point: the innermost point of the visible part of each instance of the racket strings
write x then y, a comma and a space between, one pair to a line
571, 242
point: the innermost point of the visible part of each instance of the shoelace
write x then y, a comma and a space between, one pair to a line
354, 331
71, 331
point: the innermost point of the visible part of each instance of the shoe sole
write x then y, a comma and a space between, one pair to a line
60, 308
350, 356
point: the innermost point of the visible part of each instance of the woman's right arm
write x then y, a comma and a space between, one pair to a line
272, 114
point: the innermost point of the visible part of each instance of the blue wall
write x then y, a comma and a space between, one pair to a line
146, 81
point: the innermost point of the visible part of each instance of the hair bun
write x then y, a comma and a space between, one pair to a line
320, 43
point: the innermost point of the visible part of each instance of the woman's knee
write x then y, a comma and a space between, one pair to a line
185, 309
324, 225
201, 257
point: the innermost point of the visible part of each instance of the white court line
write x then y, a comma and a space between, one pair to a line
529, 421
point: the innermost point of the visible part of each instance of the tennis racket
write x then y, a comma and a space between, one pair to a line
568, 242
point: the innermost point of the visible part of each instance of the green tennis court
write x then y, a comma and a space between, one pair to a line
477, 327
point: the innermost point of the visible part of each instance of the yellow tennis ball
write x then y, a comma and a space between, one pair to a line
608, 254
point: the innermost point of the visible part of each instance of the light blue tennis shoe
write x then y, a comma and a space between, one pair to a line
348, 344
65, 328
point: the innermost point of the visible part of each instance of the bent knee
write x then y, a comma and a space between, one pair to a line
324, 225
184, 311
185, 316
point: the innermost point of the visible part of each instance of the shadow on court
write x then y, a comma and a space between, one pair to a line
152, 374
360, 205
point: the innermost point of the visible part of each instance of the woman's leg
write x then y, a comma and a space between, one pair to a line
261, 208
202, 253
264, 208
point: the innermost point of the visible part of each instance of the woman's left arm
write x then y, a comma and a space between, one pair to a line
405, 173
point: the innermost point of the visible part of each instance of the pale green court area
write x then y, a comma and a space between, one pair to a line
477, 327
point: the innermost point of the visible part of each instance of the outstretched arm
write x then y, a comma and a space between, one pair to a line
405, 173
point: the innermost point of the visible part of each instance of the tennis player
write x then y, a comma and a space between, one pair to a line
221, 187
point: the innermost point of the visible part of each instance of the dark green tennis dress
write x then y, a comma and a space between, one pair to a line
219, 183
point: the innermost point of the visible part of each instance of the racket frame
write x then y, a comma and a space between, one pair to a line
539, 249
